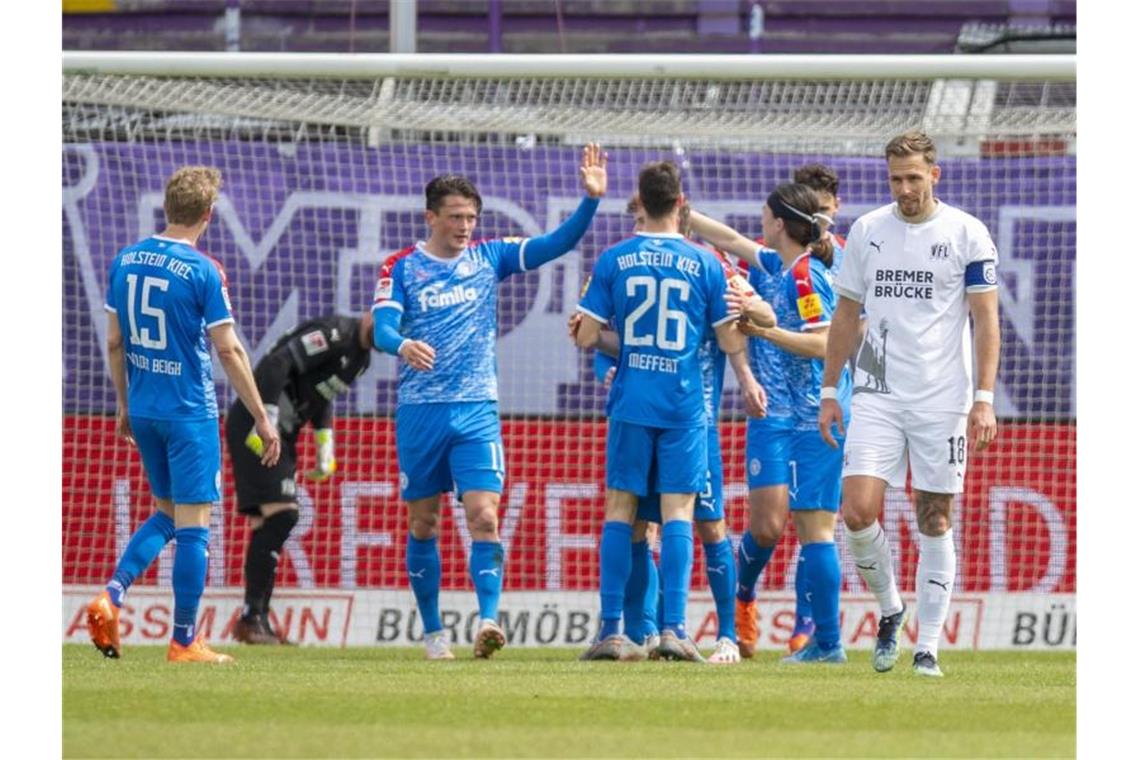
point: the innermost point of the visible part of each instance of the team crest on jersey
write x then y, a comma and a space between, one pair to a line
810, 306
754, 467
940, 251
989, 272
314, 343
464, 268
383, 289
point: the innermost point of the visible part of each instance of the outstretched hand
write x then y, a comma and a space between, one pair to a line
592, 170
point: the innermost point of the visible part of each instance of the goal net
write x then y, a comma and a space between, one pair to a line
324, 177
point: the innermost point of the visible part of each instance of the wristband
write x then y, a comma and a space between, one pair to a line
984, 396
828, 391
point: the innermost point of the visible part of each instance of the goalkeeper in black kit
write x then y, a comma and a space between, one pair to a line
298, 379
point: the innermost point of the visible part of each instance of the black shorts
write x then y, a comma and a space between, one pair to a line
255, 483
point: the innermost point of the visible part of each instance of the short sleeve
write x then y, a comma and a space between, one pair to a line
216, 298
598, 302
981, 265
716, 284
389, 292
814, 297
507, 255
850, 282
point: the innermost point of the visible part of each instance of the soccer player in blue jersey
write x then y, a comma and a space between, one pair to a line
641, 604
774, 498
788, 461
663, 294
169, 296
435, 308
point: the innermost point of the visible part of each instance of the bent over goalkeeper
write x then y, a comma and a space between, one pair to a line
299, 378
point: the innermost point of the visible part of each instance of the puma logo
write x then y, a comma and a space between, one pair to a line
420, 574
871, 566
877, 246
944, 586
494, 571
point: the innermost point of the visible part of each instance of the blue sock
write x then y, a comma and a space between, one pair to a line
676, 571
750, 561
660, 601
141, 550
803, 599
721, 571
652, 612
821, 565
633, 605
615, 563
189, 579
422, 562
486, 568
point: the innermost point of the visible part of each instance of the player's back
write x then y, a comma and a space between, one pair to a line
166, 294
663, 293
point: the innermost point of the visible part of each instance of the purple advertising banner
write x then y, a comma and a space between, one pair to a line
303, 229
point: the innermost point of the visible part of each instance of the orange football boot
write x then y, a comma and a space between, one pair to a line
103, 625
196, 652
747, 628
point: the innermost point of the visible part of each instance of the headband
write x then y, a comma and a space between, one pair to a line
784, 211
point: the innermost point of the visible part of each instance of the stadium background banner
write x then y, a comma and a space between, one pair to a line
299, 240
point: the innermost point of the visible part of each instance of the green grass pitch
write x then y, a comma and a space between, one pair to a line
370, 702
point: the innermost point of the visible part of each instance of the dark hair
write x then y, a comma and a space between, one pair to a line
451, 184
659, 187
818, 177
800, 201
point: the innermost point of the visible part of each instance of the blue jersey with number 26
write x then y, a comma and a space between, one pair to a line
166, 294
663, 293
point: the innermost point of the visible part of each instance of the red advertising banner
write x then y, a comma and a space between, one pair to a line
1015, 526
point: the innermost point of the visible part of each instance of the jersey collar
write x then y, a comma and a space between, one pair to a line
439, 259
173, 240
672, 235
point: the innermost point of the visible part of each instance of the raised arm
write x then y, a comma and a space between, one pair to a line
235, 362
546, 248
724, 237
982, 423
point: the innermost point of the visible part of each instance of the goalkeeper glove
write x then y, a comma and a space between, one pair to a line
326, 461
253, 441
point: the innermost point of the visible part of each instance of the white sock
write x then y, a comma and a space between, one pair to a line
937, 566
872, 555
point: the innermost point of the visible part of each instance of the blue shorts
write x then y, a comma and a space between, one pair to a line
817, 471
182, 458
767, 451
645, 460
443, 446
709, 506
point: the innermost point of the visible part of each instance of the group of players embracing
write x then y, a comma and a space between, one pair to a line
828, 425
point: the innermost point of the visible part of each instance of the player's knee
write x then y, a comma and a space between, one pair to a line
933, 524
483, 522
858, 519
766, 529
711, 531
424, 526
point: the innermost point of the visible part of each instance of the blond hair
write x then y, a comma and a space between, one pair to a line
911, 142
190, 193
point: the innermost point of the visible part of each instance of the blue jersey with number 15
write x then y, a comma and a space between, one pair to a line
663, 294
166, 294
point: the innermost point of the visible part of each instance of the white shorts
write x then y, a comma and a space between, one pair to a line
881, 441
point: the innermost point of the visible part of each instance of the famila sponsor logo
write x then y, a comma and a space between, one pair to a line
434, 298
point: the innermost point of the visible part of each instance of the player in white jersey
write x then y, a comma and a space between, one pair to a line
919, 268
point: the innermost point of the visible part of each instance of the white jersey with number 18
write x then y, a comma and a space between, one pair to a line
912, 280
